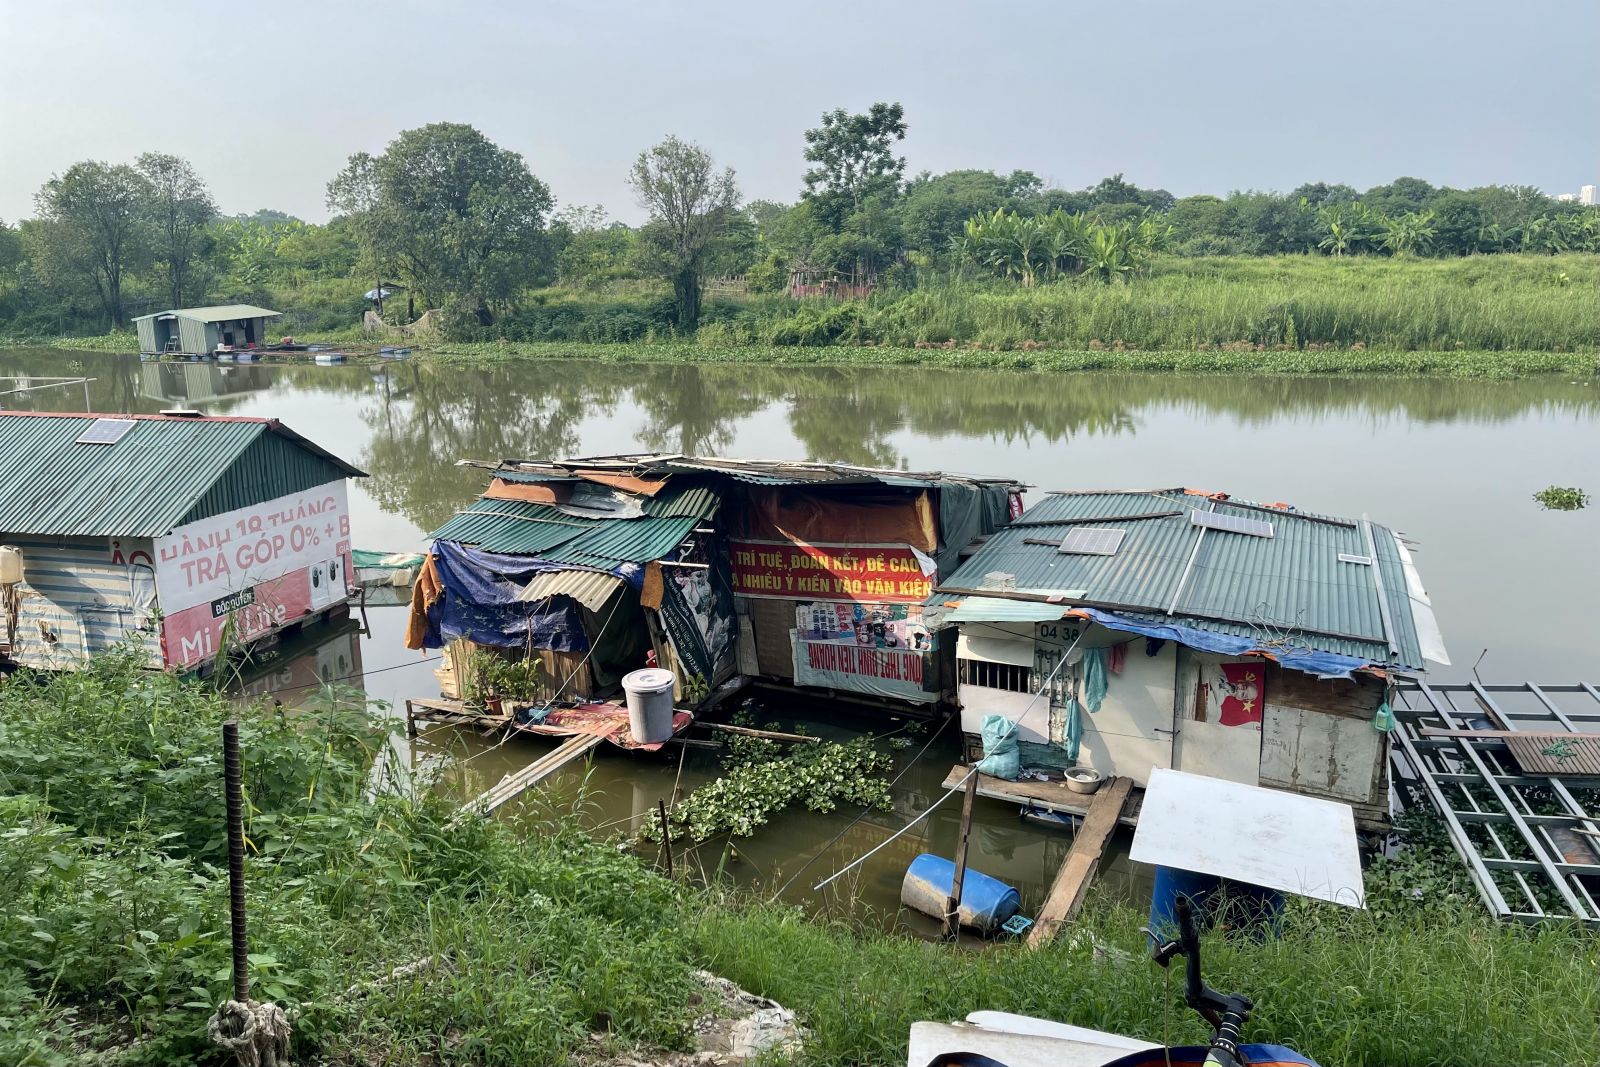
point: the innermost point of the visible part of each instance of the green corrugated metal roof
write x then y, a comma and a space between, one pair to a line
1292, 582
518, 528
217, 313
515, 527
164, 471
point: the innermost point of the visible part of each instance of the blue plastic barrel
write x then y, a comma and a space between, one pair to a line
1242, 905
985, 902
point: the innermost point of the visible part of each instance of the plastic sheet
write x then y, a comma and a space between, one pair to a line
1321, 664
478, 601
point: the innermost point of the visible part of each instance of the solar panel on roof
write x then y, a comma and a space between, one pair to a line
1092, 541
105, 432
1214, 520
1350, 557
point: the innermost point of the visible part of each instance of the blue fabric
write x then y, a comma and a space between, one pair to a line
1321, 664
479, 602
1074, 728
1094, 678
1001, 757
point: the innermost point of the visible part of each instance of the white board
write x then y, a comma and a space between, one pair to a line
1266, 837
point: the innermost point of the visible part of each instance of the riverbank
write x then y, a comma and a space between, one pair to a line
519, 942
1276, 362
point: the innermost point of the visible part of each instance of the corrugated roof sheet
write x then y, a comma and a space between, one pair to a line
1289, 585
217, 313
523, 529
752, 471
592, 589
153, 478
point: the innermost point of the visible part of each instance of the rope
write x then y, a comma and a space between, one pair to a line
256, 1033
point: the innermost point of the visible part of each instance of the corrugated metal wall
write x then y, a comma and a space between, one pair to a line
269, 468
75, 602
196, 337
147, 335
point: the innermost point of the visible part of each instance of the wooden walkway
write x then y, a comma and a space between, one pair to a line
514, 785
1051, 796
1077, 872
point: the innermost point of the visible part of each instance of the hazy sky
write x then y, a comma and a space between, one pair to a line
267, 100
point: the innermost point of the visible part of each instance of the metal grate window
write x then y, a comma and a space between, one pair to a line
1011, 677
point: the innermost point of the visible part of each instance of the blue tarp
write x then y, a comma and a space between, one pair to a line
1321, 664
480, 603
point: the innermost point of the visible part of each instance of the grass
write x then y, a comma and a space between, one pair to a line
113, 939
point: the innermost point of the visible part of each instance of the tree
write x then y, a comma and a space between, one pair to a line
98, 229
180, 209
10, 252
854, 159
691, 205
456, 216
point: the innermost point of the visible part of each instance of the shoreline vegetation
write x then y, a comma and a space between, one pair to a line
1485, 316
391, 937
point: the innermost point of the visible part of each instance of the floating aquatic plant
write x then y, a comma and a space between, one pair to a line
1561, 498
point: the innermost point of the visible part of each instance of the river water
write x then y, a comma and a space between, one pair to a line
1452, 464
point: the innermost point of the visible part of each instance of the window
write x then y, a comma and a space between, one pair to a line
1011, 677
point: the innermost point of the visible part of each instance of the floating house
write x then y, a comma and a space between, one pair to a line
179, 535
1126, 631
803, 574
202, 331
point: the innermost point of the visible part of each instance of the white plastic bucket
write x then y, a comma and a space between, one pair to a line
649, 694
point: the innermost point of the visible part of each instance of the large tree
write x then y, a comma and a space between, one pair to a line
98, 229
181, 211
456, 216
692, 205
854, 160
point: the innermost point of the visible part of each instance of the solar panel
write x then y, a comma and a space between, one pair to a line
1092, 541
1215, 520
1347, 557
105, 432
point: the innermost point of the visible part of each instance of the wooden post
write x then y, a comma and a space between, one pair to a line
952, 908
666, 835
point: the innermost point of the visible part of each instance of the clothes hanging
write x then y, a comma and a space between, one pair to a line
1094, 678
1118, 657
1074, 728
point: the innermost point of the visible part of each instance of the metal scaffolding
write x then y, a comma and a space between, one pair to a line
1511, 771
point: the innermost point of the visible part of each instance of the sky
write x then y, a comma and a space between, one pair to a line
268, 101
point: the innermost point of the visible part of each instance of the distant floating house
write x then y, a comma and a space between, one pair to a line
179, 535
201, 331
1247, 642
797, 573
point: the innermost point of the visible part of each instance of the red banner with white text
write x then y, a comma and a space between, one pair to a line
882, 574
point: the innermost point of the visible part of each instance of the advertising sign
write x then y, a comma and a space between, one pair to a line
882, 649
891, 574
247, 572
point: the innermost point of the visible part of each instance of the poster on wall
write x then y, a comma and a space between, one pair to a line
246, 572
877, 573
882, 649
1239, 690
699, 621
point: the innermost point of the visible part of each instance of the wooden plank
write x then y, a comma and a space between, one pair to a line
770, 735
515, 785
1077, 871
1051, 796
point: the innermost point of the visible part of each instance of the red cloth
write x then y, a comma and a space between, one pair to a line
1118, 657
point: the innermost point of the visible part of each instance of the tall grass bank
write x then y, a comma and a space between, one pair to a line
393, 939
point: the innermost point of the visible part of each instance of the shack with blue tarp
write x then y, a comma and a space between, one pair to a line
808, 574
1130, 630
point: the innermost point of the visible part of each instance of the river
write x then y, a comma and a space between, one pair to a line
1450, 463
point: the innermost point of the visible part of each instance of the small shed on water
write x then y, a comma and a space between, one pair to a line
177, 534
200, 331
1243, 641
808, 574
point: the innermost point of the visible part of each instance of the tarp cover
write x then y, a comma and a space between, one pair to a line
1321, 664
967, 512
479, 602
